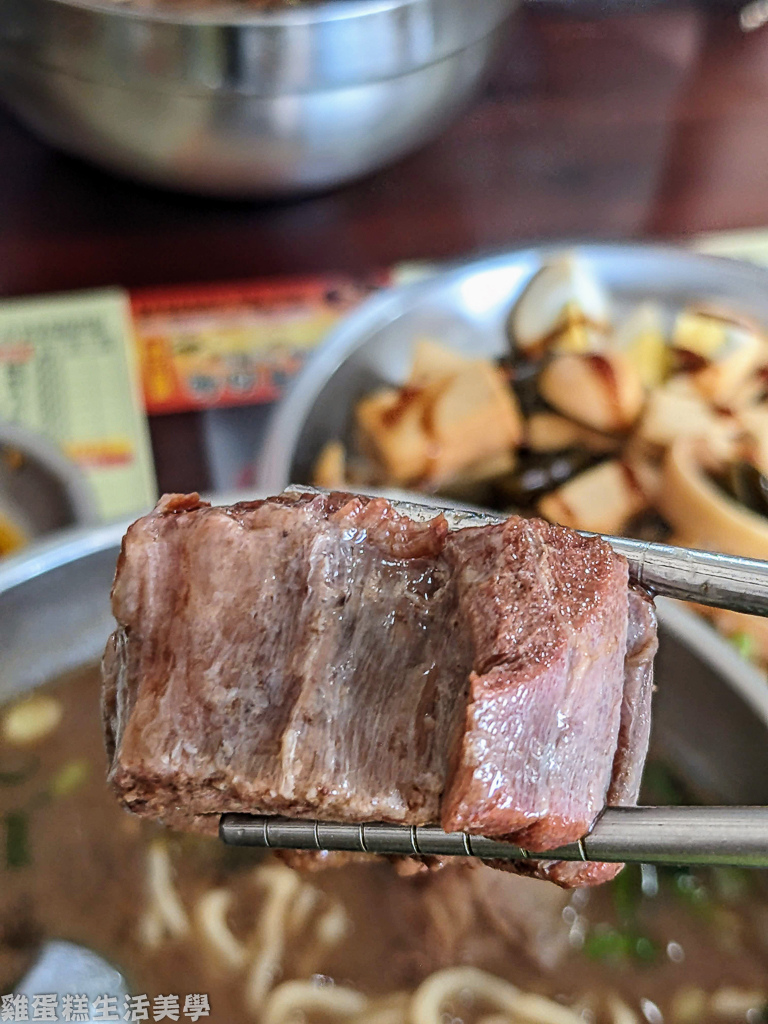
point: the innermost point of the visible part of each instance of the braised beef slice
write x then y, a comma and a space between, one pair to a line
325, 656
635, 731
295, 657
547, 610
634, 736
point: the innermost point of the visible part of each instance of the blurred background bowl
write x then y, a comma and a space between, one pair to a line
40, 488
466, 308
215, 99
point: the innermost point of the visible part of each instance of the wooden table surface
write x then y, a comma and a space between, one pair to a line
636, 125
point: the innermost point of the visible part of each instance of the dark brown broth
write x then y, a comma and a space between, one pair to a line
87, 882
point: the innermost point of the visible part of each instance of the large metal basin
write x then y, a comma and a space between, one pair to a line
224, 99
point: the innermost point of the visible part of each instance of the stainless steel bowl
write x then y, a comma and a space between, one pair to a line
467, 307
47, 491
218, 100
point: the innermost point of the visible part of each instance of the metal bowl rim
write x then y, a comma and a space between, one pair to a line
102, 25
315, 12
287, 423
76, 485
194, 90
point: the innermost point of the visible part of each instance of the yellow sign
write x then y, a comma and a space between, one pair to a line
68, 373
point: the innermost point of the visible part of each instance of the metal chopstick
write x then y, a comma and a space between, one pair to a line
722, 581
723, 836
728, 836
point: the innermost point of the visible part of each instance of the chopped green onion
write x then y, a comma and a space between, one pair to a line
691, 890
645, 949
626, 893
606, 943
17, 853
70, 777
15, 776
744, 644
603, 942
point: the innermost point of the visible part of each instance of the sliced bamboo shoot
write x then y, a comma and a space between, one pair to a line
330, 468
433, 361
701, 514
677, 410
550, 432
391, 423
602, 391
727, 351
602, 499
472, 419
561, 296
642, 339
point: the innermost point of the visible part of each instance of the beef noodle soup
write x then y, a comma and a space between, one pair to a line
363, 944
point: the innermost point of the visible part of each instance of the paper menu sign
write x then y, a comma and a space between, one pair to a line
219, 346
68, 371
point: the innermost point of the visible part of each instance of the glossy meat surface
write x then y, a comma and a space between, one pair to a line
325, 656
284, 656
634, 737
547, 610
635, 731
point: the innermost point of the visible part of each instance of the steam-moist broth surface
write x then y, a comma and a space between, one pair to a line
182, 914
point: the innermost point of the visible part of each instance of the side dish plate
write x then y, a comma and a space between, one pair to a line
466, 307
709, 700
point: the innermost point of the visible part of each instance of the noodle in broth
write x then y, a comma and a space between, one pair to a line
359, 944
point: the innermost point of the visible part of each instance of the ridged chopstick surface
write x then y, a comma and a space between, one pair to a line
725, 836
